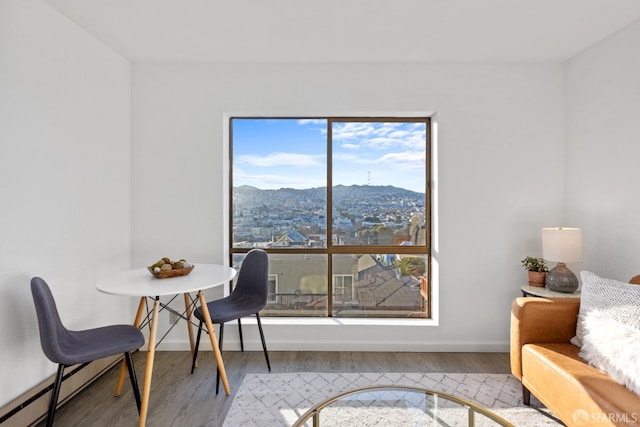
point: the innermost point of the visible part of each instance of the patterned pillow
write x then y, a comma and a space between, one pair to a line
618, 299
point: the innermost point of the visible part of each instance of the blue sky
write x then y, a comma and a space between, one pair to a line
276, 153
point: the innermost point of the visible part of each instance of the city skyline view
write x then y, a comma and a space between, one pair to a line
292, 153
279, 201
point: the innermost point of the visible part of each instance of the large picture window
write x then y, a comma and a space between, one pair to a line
342, 206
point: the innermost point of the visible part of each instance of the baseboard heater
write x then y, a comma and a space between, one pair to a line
31, 407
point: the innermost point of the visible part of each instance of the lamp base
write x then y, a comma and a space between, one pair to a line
561, 279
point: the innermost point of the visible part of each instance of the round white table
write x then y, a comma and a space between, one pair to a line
140, 283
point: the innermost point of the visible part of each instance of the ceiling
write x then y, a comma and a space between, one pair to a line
350, 30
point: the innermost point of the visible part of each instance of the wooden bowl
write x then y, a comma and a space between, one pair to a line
171, 273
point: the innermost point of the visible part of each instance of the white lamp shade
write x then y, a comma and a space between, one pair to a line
562, 244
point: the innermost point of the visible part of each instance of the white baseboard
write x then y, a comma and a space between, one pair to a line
283, 345
37, 410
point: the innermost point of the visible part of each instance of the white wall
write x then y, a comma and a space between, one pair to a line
501, 133
64, 181
603, 148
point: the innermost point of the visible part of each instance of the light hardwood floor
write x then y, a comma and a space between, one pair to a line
181, 399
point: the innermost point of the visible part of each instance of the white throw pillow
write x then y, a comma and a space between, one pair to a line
618, 299
613, 347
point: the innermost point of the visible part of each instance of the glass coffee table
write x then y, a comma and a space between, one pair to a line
397, 406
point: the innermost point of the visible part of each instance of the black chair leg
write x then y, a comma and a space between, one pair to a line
54, 395
195, 349
240, 332
220, 347
133, 378
264, 343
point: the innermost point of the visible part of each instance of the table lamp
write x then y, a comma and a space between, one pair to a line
561, 244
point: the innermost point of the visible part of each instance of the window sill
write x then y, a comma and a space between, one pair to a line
340, 321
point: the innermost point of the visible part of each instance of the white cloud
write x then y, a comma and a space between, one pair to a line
399, 134
408, 159
274, 181
410, 142
282, 159
312, 122
391, 161
346, 157
379, 136
351, 130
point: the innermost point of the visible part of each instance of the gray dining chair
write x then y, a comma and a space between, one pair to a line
247, 298
66, 347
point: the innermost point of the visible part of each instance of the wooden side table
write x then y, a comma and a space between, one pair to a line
537, 291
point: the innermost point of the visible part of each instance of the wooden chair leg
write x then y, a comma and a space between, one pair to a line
54, 395
133, 378
264, 344
196, 347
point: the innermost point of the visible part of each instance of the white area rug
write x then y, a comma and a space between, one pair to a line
265, 400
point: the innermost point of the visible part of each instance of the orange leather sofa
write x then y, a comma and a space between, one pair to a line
549, 366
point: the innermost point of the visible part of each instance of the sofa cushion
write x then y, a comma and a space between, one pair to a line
613, 347
573, 390
621, 300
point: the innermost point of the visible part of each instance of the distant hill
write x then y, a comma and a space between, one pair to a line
342, 194
338, 191
363, 190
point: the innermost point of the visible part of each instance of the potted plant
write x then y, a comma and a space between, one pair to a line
536, 269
